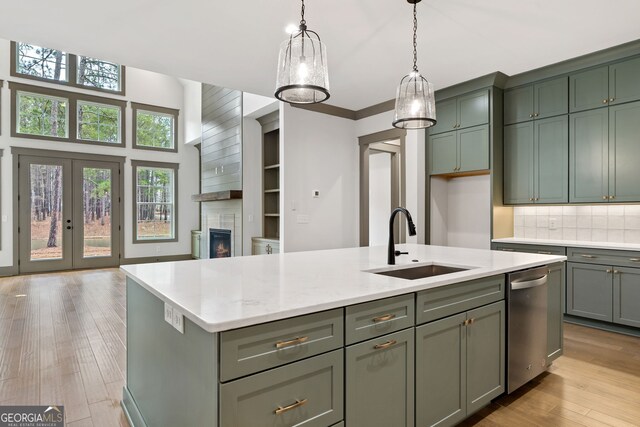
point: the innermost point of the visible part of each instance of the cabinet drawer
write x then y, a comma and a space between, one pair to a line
531, 249
604, 257
447, 300
309, 393
256, 348
376, 318
264, 247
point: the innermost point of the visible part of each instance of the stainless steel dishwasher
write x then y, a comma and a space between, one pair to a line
526, 326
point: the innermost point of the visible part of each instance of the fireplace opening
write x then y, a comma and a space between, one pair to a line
219, 243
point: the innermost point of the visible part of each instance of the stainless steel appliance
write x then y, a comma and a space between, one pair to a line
526, 326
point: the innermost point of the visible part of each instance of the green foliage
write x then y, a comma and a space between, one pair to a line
154, 129
42, 115
97, 122
98, 73
41, 62
154, 197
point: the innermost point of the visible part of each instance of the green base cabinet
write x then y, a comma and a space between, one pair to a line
555, 307
459, 365
590, 291
626, 296
380, 381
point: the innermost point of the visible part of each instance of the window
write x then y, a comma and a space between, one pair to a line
155, 209
46, 64
154, 128
98, 122
44, 113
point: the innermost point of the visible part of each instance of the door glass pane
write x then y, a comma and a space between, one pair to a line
96, 210
46, 211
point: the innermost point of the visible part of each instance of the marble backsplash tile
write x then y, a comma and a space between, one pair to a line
597, 223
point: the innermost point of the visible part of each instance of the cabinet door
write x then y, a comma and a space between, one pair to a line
485, 355
380, 381
446, 116
443, 153
589, 89
555, 308
552, 160
441, 360
626, 296
518, 105
518, 163
473, 109
551, 98
473, 148
589, 156
624, 81
589, 291
624, 152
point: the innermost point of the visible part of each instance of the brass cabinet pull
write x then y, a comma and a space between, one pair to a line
468, 322
605, 197
588, 256
531, 199
385, 345
298, 340
611, 99
616, 272
383, 318
536, 114
297, 404
544, 253
604, 101
471, 321
507, 249
608, 270
531, 115
634, 259
612, 197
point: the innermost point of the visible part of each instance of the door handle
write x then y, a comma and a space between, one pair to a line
68, 221
69, 227
524, 284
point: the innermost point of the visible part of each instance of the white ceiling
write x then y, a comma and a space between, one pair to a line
235, 43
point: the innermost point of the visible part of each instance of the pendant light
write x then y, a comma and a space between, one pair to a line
415, 100
303, 77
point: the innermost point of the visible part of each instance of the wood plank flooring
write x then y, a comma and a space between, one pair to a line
62, 341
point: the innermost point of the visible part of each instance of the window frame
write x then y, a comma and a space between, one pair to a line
135, 164
72, 73
1, 85
72, 110
135, 106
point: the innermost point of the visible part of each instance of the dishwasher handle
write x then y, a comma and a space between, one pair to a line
524, 284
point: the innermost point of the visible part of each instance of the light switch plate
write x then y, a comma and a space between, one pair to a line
178, 321
168, 313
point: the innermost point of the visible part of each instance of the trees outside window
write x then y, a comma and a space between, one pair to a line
98, 122
42, 115
155, 190
154, 128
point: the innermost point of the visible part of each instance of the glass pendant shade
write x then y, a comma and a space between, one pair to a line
415, 103
303, 76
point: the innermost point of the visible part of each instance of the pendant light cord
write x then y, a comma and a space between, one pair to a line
415, 37
302, 21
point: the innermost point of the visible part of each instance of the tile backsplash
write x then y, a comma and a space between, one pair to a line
599, 223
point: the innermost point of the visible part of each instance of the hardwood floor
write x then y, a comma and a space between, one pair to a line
62, 341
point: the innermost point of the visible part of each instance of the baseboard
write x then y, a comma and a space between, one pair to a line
8, 271
605, 326
150, 259
131, 409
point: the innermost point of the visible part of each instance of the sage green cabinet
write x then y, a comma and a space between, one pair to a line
459, 364
624, 152
464, 150
607, 85
626, 296
464, 111
536, 161
536, 101
555, 308
590, 291
380, 381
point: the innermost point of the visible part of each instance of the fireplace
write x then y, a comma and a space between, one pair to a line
219, 243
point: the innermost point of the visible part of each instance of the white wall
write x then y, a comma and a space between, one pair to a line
318, 152
192, 111
379, 197
251, 182
144, 87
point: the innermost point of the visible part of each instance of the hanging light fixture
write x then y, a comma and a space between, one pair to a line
303, 76
415, 100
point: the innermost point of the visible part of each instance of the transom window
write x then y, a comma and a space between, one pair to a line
154, 128
42, 115
155, 210
98, 122
46, 64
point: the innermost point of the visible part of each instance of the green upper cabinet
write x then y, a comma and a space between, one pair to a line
589, 156
536, 161
624, 152
443, 153
464, 111
464, 150
536, 101
607, 85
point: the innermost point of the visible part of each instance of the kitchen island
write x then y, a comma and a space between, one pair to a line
318, 338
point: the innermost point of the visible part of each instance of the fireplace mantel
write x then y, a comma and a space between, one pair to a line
217, 195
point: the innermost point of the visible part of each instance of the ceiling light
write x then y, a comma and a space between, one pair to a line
415, 100
303, 76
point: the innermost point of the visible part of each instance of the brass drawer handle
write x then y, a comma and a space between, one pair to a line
282, 410
608, 270
507, 250
383, 318
385, 345
298, 340
634, 259
468, 322
544, 252
588, 256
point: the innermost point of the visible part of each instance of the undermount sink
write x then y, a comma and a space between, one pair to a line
420, 272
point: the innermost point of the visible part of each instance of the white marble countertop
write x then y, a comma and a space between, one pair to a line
229, 293
571, 243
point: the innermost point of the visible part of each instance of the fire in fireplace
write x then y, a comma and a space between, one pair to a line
219, 243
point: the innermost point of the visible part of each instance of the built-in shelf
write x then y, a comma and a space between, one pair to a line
271, 177
273, 190
217, 195
276, 166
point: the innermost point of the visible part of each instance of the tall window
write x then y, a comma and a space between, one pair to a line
155, 188
154, 128
46, 64
42, 115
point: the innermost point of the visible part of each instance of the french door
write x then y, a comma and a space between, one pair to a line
69, 213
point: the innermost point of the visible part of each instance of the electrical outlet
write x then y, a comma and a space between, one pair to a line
178, 321
168, 313
553, 223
